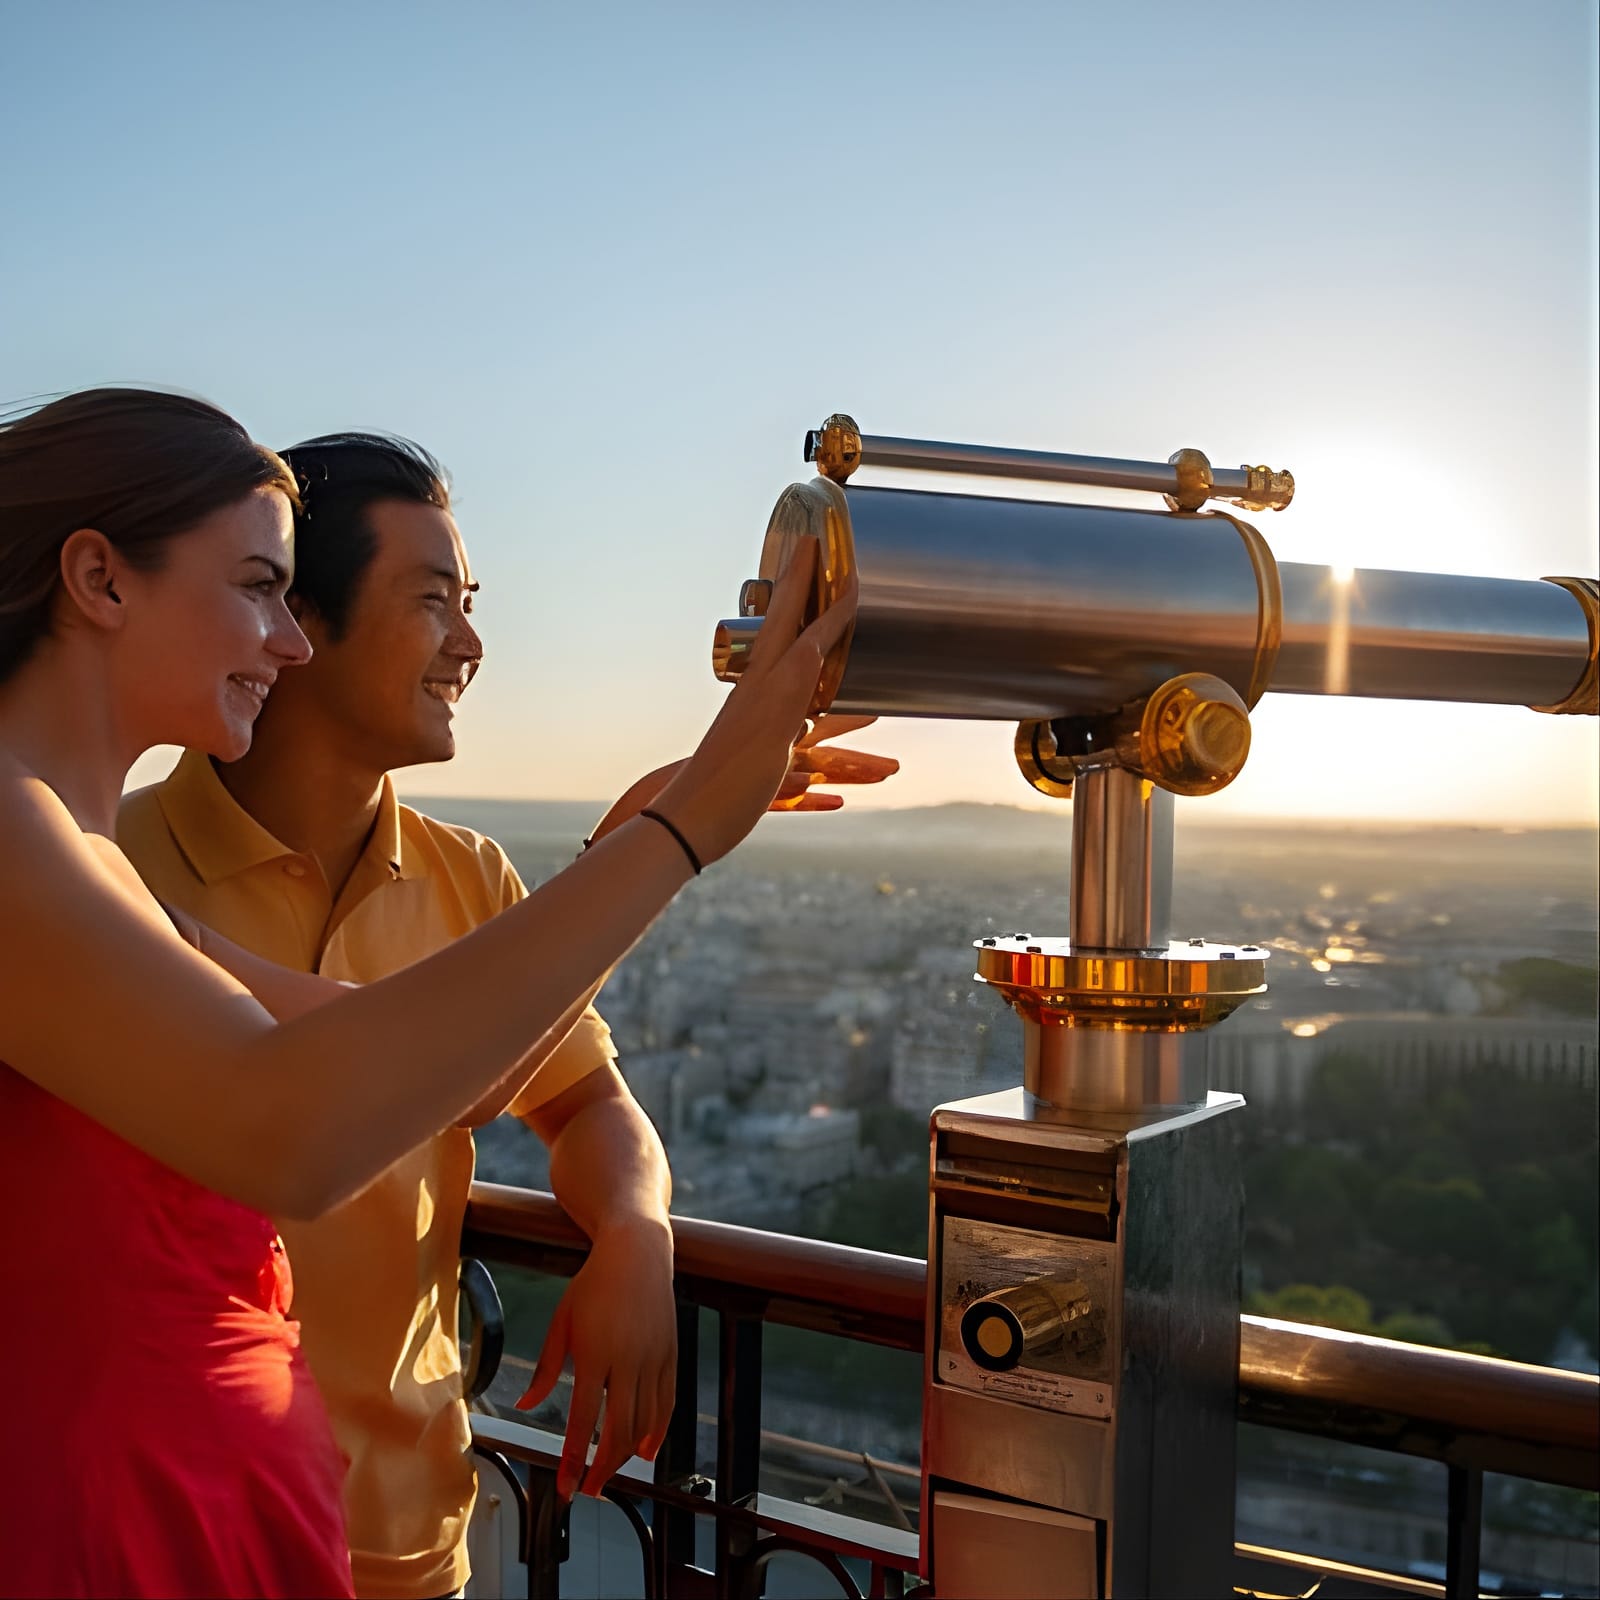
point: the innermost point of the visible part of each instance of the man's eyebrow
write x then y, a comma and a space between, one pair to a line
450, 576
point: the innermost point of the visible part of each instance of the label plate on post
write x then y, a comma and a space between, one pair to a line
1055, 1294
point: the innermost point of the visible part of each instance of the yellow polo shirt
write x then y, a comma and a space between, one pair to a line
375, 1279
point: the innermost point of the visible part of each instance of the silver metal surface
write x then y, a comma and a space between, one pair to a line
1021, 1451
976, 607
1121, 862
1038, 466
1104, 1069
1158, 1472
1182, 1254
1428, 636
980, 608
1003, 1551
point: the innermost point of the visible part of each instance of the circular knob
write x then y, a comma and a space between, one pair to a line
835, 447
1194, 734
1033, 1319
1193, 481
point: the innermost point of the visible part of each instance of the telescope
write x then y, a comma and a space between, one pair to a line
1086, 1227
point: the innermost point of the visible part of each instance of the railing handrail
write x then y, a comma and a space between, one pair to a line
1474, 1411
808, 1281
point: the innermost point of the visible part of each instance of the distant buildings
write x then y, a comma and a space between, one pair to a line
1271, 1061
794, 980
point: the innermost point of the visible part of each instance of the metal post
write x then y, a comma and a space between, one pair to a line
1121, 862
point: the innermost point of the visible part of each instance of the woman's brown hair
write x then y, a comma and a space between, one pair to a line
138, 465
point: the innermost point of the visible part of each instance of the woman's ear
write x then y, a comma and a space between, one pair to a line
89, 570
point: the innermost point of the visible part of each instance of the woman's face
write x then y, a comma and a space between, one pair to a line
207, 634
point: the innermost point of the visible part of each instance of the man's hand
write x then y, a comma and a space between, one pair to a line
812, 764
618, 1322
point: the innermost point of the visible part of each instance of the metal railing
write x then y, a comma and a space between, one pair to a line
1474, 1414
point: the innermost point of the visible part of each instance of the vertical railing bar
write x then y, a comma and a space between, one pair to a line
547, 1535
738, 1438
677, 1462
1464, 1533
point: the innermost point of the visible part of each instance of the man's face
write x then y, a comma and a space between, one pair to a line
409, 649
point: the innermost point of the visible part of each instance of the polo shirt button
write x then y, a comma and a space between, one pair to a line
295, 869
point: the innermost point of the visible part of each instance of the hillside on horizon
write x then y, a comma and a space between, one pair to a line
981, 828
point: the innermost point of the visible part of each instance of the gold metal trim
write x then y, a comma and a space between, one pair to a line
1269, 607
816, 509
1193, 735
836, 447
1265, 489
1188, 988
1584, 701
1035, 749
1193, 472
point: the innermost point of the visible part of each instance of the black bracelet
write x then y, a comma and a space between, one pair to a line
688, 849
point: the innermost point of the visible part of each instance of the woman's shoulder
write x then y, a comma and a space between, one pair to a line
41, 844
30, 810
27, 802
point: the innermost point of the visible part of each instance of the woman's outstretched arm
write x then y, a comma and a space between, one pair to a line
103, 1004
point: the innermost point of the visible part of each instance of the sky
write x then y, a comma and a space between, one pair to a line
610, 261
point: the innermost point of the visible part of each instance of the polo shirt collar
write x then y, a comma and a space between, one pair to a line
220, 838
388, 840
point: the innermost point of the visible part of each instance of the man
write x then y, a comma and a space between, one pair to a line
301, 853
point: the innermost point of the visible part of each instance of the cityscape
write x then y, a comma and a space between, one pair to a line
1428, 1039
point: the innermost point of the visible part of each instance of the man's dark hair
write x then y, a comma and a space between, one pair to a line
341, 476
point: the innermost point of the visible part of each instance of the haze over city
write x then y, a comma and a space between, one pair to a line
610, 262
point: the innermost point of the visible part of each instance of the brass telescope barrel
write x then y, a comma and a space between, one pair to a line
976, 607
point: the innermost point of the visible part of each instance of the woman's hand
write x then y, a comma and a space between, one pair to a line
810, 762
740, 766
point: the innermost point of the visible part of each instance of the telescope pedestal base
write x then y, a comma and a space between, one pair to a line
1095, 1458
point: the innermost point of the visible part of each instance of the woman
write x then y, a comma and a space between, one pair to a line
164, 1437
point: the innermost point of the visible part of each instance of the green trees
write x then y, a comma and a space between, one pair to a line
1552, 985
1463, 1215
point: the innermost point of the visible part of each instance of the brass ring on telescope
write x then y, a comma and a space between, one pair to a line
1584, 701
816, 509
1269, 607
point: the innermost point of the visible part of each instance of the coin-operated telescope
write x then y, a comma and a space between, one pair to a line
1085, 1229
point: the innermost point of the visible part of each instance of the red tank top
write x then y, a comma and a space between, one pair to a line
161, 1433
